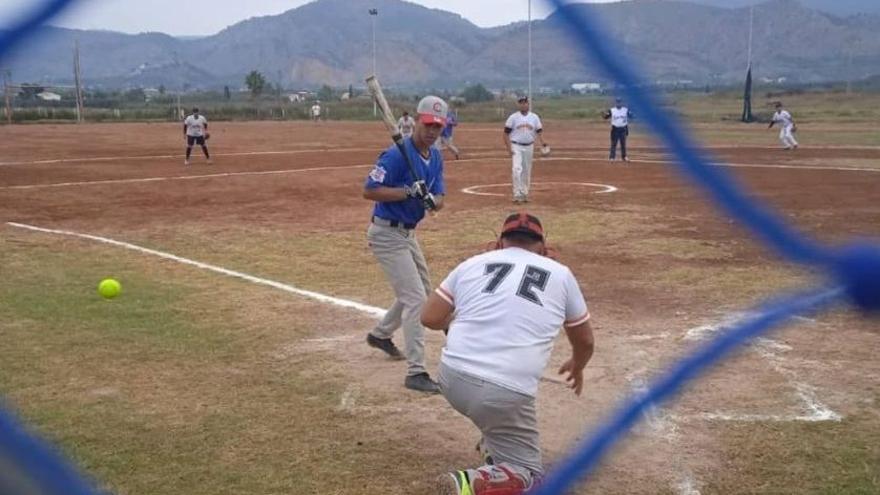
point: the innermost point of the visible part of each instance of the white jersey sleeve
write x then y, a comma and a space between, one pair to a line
576, 311
511, 121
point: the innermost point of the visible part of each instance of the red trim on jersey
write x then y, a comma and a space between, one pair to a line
445, 295
577, 321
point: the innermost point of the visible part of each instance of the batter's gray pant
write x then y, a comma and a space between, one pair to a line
522, 169
507, 419
401, 258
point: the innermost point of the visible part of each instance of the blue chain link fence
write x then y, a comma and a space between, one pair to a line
29, 465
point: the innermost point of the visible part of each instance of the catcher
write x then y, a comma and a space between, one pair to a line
503, 309
195, 131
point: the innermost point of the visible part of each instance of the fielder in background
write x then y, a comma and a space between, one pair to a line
520, 132
406, 125
446, 135
401, 202
787, 127
316, 111
619, 116
503, 310
195, 131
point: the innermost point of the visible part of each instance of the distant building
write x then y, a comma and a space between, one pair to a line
584, 88
49, 96
300, 96
151, 93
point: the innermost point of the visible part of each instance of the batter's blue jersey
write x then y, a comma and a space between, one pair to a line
391, 170
451, 122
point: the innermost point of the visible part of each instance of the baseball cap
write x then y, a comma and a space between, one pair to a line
522, 99
432, 110
525, 223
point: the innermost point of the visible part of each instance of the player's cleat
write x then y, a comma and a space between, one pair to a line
485, 480
626, 158
186, 162
421, 382
209, 161
386, 346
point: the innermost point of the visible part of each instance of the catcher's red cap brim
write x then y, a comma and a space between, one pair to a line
525, 223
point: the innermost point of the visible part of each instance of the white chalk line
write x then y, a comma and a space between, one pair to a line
466, 160
604, 188
183, 177
344, 303
162, 157
770, 350
662, 425
818, 411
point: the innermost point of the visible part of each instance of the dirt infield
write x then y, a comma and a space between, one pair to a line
661, 269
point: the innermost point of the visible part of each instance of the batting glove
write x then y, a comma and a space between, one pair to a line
417, 190
429, 202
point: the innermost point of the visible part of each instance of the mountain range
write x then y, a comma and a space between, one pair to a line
330, 42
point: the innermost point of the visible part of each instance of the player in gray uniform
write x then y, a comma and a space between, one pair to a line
401, 201
503, 310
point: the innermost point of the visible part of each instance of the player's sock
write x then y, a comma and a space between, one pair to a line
205, 150
188, 152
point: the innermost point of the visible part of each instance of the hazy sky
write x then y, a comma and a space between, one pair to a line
201, 17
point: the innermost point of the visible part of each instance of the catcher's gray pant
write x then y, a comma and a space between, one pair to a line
787, 137
522, 169
507, 419
401, 258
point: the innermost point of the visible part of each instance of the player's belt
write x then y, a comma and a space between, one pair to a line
393, 223
523, 144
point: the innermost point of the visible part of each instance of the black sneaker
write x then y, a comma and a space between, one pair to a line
386, 346
421, 382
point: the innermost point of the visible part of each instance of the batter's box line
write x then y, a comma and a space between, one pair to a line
770, 350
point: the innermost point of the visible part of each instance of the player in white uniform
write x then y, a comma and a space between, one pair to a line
520, 132
787, 127
619, 116
195, 131
503, 309
406, 125
316, 111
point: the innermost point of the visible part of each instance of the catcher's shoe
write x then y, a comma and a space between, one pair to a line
485, 456
485, 480
386, 346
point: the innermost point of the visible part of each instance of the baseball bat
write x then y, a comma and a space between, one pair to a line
389, 121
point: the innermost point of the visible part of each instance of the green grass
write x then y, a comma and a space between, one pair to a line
801, 458
696, 107
172, 387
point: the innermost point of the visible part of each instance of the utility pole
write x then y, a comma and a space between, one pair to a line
530, 55
373, 14
77, 77
7, 77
